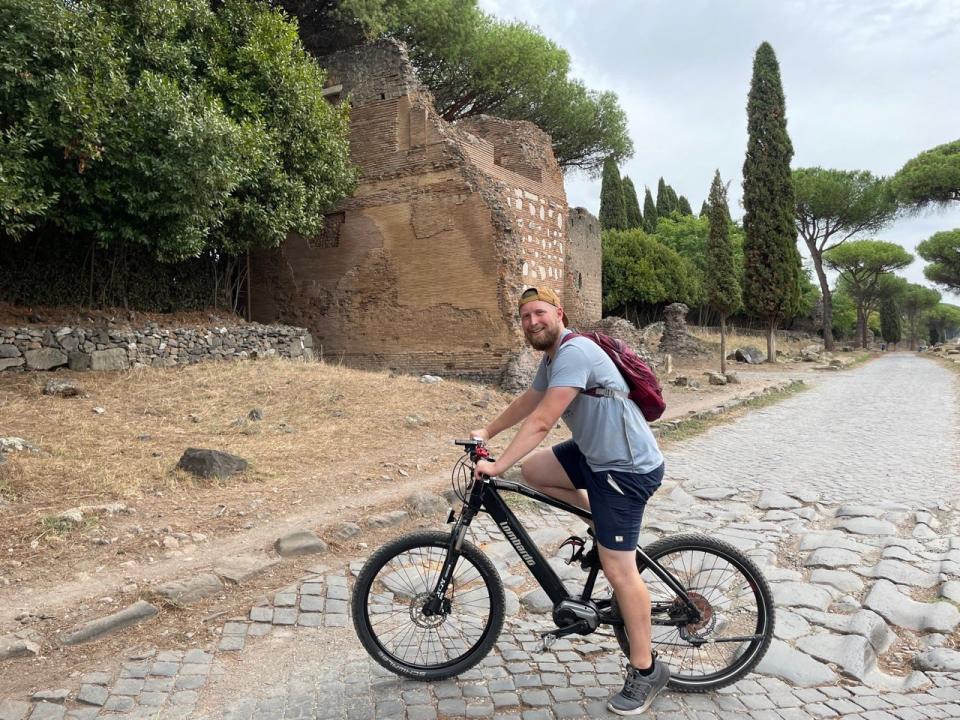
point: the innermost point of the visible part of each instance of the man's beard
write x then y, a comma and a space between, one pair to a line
544, 340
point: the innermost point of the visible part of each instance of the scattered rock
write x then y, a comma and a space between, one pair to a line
430, 379
12, 647
15, 444
412, 421
681, 381
73, 516
388, 519
733, 378
131, 615
61, 388
426, 504
346, 530
186, 592
749, 354
211, 463
715, 378
98, 410
299, 542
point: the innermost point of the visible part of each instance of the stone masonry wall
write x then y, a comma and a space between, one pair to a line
39, 348
583, 287
421, 267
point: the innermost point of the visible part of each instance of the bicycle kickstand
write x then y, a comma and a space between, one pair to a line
551, 636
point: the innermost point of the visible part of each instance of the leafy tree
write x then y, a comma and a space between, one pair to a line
683, 205
666, 199
613, 210
474, 63
772, 262
890, 321
688, 235
943, 322
861, 263
649, 212
942, 251
640, 273
832, 207
932, 177
722, 286
916, 301
634, 216
162, 127
845, 313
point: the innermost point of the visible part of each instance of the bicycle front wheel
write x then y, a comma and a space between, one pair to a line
392, 589
735, 604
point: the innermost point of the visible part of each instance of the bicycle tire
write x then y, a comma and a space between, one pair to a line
749, 653
376, 591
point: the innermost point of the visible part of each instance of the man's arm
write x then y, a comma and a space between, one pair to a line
520, 408
533, 430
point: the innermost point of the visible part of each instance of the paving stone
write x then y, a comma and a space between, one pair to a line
840, 579
790, 625
797, 594
13, 709
829, 557
119, 703
299, 542
863, 622
48, 711
852, 653
773, 500
901, 610
797, 668
903, 574
941, 659
240, 568
867, 526
95, 629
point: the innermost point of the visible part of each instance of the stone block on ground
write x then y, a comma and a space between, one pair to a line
13, 647
831, 558
903, 611
44, 359
903, 574
852, 653
867, 526
61, 388
749, 354
186, 592
799, 594
240, 568
94, 629
211, 463
112, 359
798, 669
426, 503
865, 623
938, 659
388, 519
299, 542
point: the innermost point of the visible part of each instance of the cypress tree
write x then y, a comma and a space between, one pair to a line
890, 326
771, 259
721, 284
634, 216
613, 212
683, 205
704, 209
649, 213
666, 199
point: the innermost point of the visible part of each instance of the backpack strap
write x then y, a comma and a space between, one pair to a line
596, 391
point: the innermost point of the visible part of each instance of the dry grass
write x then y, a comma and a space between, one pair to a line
735, 340
327, 432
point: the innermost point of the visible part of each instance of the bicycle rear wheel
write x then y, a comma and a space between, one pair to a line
735, 603
389, 597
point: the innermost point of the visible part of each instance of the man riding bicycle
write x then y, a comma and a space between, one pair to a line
611, 466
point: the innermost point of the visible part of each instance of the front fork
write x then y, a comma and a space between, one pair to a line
438, 603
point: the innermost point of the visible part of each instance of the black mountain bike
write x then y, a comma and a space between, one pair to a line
430, 605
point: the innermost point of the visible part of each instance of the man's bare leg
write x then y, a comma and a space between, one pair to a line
620, 568
542, 471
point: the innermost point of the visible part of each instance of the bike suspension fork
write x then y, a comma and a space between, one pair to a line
436, 604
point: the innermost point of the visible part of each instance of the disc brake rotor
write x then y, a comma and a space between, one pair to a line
708, 618
427, 621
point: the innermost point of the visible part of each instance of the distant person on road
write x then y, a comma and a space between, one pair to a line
611, 466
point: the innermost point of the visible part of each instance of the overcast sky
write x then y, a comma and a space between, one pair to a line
868, 83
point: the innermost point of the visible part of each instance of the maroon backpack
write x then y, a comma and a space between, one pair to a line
644, 388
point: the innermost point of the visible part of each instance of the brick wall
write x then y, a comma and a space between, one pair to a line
421, 267
583, 287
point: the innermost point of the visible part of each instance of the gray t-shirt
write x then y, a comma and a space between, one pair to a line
611, 432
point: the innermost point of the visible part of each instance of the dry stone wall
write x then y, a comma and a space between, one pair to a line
79, 348
583, 281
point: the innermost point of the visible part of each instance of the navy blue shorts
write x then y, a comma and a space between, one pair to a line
617, 499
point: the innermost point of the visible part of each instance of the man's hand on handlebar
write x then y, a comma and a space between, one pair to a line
480, 434
485, 467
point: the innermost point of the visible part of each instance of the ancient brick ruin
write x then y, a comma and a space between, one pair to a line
421, 268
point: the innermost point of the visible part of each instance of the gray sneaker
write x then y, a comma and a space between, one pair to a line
639, 690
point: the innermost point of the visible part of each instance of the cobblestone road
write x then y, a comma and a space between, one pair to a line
845, 495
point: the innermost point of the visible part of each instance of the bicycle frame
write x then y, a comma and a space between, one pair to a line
484, 496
